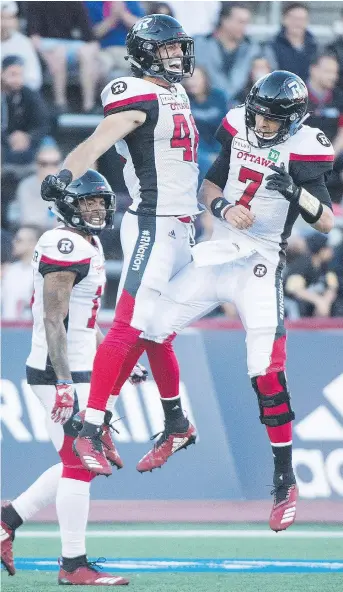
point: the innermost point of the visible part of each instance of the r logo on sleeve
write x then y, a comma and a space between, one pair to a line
65, 246
118, 87
323, 140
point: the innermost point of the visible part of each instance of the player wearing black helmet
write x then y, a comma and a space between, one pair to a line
271, 169
148, 118
69, 276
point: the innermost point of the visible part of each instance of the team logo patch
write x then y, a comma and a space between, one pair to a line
273, 155
323, 140
239, 144
65, 246
118, 87
260, 270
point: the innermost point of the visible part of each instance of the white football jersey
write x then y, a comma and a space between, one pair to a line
306, 155
161, 170
61, 250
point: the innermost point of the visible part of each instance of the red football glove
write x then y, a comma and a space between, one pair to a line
64, 403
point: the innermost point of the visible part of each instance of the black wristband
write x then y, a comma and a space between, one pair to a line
218, 205
65, 176
310, 218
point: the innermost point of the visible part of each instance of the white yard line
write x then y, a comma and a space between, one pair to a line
219, 534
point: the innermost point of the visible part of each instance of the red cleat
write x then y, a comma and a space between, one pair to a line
7, 560
168, 444
91, 454
109, 447
284, 508
86, 575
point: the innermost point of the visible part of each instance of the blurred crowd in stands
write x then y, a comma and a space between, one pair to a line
56, 58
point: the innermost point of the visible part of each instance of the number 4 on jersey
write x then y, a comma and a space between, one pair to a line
256, 179
182, 137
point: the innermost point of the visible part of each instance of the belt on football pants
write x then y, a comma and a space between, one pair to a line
185, 219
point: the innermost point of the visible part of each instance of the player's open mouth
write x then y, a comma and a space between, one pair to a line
174, 64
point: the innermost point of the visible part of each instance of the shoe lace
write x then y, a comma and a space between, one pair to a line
164, 435
280, 492
96, 441
96, 565
110, 423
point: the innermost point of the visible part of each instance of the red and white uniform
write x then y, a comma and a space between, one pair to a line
61, 250
161, 175
245, 266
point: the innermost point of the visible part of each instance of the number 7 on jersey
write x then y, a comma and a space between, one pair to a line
255, 179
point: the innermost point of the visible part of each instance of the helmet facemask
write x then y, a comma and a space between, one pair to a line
153, 64
87, 220
289, 125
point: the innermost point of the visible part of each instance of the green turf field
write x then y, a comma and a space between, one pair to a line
193, 542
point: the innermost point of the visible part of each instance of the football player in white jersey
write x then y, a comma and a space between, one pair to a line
69, 277
148, 118
271, 169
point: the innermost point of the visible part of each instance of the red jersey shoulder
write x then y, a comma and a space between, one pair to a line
232, 126
128, 93
311, 144
63, 248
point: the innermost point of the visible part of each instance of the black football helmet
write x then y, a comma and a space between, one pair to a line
91, 184
282, 96
145, 40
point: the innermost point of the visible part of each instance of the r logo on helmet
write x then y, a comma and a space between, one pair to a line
295, 89
65, 246
143, 24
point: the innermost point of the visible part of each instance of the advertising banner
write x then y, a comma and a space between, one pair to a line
232, 458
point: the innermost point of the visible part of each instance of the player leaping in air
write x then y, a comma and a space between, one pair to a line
271, 169
69, 276
148, 117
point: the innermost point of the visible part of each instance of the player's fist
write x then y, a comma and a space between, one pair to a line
53, 186
240, 217
64, 402
282, 182
138, 374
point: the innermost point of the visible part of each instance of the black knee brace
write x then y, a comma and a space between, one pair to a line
274, 401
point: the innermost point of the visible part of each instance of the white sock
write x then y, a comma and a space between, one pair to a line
112, 399
72, 505
94, 416
40, 494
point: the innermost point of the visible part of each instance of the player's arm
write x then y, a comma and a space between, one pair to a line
109, 131
212, 196
56, 297
99, 336
311, 196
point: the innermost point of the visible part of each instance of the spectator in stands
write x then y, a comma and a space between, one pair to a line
227, 53
294, 47
337, 49
25, 120
196, 19
160, 8
15, 43
260, 67
208, 106
310, 282
17, 283
111, 22
28, 207
62, 34
326, 99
